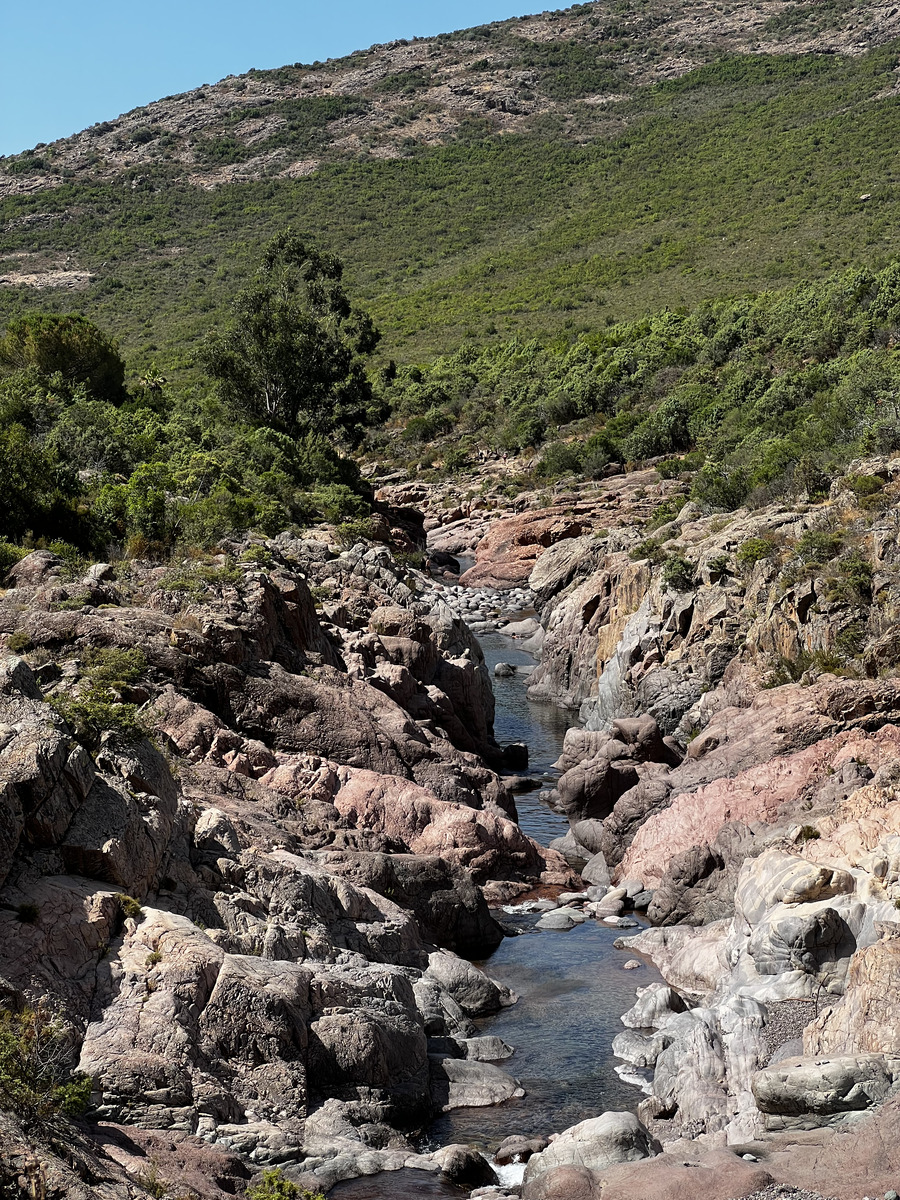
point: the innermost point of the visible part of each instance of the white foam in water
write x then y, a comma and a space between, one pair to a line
510, 1174
634, 1075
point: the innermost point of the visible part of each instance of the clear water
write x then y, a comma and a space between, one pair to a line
572, 987
572, 990
541, 726
397, 1185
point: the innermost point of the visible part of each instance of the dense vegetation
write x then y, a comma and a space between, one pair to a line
757, 395
87, 464
747, 173
512, 278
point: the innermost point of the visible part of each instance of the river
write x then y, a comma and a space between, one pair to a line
572, 987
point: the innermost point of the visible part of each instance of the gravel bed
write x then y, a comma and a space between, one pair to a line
785, 1023
778, 1191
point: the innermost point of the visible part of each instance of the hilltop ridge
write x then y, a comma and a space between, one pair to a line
581, 63
543, 175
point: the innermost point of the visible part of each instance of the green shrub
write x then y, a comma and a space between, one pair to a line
851, 642
808, 833
818, 547
559, 458
97, 711
338, 502
720, 487
35, 1078
754, 550
678, 573
664, 513
275, 1186
260, 555
649, 548
129, 906
351, 532
194, 579
852, 581
788, 670
719, 568
19, 642
74, 562
110, 666
864, 485
670, 468
9, 556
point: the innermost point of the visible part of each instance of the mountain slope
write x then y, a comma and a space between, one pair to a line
543, 173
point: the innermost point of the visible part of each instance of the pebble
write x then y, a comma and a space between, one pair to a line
631, 965
485, 610
777, 1191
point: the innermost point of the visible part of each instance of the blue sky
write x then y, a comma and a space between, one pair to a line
66, 66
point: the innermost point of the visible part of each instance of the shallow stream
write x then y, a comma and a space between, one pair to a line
572, 987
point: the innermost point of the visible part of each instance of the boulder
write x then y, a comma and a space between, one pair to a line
591, 1146
461, 1083
464, 1166
654, 1005
805, 1092
473, 991
596, 872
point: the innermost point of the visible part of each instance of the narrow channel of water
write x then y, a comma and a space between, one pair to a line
572, 987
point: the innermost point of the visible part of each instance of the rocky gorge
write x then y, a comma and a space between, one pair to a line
256, 826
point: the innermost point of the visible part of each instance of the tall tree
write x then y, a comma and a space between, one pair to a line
69, 347
293, 354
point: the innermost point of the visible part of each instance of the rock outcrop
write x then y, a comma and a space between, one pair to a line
246, 928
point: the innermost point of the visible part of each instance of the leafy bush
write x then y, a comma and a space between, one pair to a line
852, 580
664, 513
129, 907
275, 1186
678, 573
97, 711
351, 532
19, 642
754, 550
818, 547
719, 568
9, 556
35, 1075
67, 348
864, 485
559, 458
110, 666
649, 548
195, 579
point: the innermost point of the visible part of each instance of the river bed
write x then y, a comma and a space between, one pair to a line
572, 987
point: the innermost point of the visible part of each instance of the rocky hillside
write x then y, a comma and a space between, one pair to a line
256, 823
497, 180
735, 773
377, 102
246, 929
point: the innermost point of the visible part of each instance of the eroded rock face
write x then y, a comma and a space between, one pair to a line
250, 936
